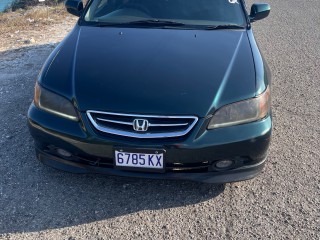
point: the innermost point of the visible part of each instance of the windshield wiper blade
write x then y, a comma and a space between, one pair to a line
155, 22
148, 22
226, 26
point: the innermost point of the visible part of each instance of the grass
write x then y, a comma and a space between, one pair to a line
22, 19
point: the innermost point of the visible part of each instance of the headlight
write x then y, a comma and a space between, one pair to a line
54, 103
242, 112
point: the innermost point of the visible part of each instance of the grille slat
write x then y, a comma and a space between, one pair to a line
157, 126
114, 121
168, 125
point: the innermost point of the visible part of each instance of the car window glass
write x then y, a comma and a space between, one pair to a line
196, 12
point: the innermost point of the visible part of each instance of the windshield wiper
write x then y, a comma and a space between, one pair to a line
147, 22
163, 23
226, 26
156, 22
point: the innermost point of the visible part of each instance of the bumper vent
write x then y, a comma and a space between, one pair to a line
141, 126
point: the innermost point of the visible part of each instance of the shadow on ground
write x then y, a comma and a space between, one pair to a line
34, 197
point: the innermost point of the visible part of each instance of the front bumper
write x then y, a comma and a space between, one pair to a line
190, 158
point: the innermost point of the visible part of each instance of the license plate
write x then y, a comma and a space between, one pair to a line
140, 160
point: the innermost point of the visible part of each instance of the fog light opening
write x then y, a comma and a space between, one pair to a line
63, 153
223, 164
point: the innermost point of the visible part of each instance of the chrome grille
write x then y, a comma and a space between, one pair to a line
157, 126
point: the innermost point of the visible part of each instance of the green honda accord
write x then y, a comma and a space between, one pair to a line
166, 89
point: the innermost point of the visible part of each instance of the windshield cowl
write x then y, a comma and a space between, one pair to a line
156, 23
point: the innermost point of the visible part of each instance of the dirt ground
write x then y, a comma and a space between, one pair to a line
36, 26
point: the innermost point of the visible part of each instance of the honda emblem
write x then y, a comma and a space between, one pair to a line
140, 125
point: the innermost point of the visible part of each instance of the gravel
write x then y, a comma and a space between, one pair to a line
282, 203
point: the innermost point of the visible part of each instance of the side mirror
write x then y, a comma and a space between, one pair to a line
74, 7
259, 11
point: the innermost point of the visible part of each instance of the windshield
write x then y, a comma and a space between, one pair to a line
166, 12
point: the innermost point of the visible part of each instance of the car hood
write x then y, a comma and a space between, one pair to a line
152, 71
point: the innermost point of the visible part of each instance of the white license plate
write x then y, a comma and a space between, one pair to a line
152, 161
